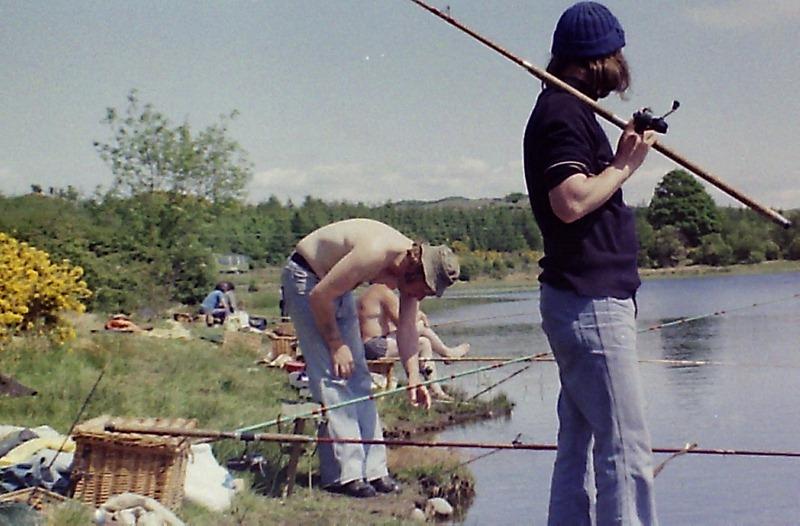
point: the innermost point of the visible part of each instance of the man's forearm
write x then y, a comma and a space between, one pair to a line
581, 195
407, 338
325, 318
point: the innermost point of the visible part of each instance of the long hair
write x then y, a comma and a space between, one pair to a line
604, 74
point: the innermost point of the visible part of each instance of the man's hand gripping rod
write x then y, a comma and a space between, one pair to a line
610, 117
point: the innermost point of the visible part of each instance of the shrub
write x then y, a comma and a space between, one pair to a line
713, 251
34, 292
667, 250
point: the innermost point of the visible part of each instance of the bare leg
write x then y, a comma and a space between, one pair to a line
425, 351
429, 368
439, 346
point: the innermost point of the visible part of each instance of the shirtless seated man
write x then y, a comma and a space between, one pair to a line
378, 315
318, 280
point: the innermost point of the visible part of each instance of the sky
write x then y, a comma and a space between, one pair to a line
378, 100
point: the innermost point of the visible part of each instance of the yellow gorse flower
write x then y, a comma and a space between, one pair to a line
35, 292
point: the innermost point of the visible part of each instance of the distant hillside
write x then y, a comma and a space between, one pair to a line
515, 200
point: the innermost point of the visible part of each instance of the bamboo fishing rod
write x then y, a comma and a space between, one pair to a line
544, 76
306, 439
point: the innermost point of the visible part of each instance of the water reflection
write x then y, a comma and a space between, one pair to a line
715, 405
694, 341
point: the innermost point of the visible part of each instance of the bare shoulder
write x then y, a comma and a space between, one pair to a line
378, 293
368, 243
351, 233
374, 234
385, 293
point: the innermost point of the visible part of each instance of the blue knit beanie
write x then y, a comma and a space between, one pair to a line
587, 30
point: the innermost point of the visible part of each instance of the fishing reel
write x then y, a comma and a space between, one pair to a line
645, 119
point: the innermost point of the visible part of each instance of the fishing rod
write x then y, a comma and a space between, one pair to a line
544, 356
483, 318
718, 313
544, 76
679, 321
499, 382
306, 439
322, 410
659, 326
549, 358
75, 421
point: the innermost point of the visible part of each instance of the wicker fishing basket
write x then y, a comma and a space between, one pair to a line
110, 463
283, 345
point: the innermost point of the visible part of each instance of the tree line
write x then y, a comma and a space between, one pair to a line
177, 198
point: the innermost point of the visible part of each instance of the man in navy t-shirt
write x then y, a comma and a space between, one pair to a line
589, 277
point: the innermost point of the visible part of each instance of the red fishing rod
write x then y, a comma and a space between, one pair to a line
546, 77
305, 439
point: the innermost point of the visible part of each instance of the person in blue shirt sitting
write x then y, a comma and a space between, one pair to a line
219, 303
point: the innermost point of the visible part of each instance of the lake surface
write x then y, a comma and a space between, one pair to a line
751, 401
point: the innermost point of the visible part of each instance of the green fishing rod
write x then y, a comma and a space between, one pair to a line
322, 410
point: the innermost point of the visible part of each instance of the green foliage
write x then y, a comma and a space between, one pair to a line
515, 197
667, 249
681, 201
160, 234
748, 236
646, 236
713, 250
176, 199
147, 154
793, 251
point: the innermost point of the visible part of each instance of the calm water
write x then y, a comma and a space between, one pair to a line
750, 404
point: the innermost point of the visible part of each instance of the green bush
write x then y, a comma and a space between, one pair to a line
713, 250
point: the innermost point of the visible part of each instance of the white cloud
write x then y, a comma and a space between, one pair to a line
745, 14
466, 177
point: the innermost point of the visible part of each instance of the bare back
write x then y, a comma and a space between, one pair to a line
328, 245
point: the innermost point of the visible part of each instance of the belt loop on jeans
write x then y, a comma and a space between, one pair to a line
301, 262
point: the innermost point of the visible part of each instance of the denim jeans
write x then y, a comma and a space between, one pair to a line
339, 463
599, 407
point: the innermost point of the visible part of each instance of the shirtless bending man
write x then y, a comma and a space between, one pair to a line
318, 280
378, 315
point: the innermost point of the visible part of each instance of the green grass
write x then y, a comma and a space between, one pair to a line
223, 389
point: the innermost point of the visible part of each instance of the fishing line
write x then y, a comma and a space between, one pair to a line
687, 319
544, 356
71, 427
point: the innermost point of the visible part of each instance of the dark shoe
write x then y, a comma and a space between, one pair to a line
356, 488
385, 485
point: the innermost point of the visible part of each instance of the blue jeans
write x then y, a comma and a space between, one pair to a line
339, 463
594, 344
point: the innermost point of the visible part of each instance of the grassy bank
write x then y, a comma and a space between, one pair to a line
222, 388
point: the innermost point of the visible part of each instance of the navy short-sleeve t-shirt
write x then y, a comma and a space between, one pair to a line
595, 255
